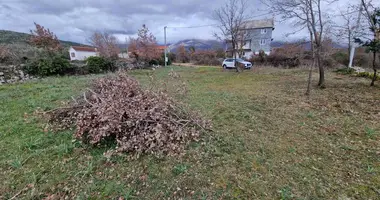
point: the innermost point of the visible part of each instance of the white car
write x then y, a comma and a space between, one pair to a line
230, 63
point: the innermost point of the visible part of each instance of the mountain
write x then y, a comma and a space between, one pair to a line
214, 44
305, 44
12, 37
277, 44
198, 44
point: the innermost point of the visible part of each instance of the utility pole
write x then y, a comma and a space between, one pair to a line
166, 58
352, 51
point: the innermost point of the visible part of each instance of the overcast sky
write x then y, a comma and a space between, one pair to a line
75, 20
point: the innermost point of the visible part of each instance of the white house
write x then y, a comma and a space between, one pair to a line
82, 53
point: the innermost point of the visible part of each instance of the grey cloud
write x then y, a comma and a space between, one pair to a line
77, 19
6, 7
116, 16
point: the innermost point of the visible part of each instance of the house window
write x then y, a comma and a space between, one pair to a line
72, 55
263, 31
263, 41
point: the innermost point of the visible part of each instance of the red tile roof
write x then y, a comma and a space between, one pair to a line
161, 47
89, 49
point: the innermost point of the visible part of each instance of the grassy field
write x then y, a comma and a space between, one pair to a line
269, 142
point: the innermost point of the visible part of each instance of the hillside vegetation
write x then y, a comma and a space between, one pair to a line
12, 37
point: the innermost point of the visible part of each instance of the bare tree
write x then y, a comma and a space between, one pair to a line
373, 17
345, 31
6, 55
231, 17
307, 14
349, 30
144, 47
105, 43
44, 38
182, 54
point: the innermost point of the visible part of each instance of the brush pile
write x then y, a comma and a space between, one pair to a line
118, 110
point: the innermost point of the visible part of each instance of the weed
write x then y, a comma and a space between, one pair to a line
16, 163
370, 132
370, 169
180, 169
310, 115
129, 194
345, 70
286, 193
89, 169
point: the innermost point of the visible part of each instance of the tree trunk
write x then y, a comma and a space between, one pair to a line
309, 79
236, 66
308, 90
374, 69
321, 82
349, 43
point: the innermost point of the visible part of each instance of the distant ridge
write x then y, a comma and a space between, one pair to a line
12, 37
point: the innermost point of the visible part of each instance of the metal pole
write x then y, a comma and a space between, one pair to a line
352, 51
166, 59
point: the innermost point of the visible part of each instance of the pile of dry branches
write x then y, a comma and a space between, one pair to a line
139, 121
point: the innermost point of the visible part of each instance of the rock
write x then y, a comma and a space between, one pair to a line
22, 75
358, 69
1, 73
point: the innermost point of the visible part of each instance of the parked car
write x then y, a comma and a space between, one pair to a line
230, 63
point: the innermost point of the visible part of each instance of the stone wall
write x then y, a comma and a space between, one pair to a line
13, 74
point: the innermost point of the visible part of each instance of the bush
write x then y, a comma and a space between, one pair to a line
18, 53
341, 58
367, 75
205, 57
361, 59
345, 71
118, 110
161, 61
97, 65
5, 54
154, 62
328, 62
276, 60
48, 66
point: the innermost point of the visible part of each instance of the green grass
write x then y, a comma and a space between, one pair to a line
269, 141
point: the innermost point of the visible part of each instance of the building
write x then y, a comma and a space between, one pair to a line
161, 48
257, 37
82, 53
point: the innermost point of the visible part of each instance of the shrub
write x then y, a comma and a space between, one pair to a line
276, 60
361, 58
262, 56
367, 75
119, 110
97, 64
47, 66
341, 58
161, 61
154, 62
328, 62
205, 57
5, 54
345, 71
